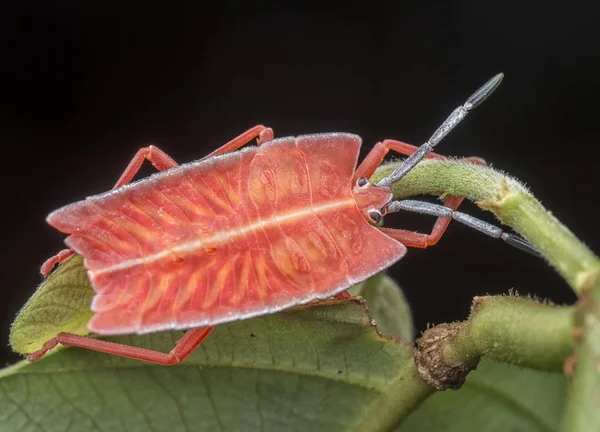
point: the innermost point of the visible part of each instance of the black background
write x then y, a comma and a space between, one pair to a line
83, 87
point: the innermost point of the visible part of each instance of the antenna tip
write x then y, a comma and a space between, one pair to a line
484, 91
498, 78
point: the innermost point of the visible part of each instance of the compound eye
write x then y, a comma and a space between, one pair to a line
362, 181
375, 216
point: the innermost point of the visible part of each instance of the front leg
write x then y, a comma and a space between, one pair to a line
372, 162
375, 157
422, 240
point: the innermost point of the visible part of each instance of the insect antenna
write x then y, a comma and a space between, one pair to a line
424, 207
453, 119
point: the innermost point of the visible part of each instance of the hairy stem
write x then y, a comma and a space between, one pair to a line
522, 331
508, 329
510, 201
403, 396
582, 411
514, 205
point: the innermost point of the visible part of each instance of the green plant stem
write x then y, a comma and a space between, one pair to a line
403, 396
582, 411
461, 349
509, 329
522, 331
512, 204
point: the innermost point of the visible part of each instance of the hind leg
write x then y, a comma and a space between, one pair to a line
184, 347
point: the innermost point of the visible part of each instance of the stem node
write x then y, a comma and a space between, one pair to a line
435, 367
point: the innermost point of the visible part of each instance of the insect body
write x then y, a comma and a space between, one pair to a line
242, 233
229, 237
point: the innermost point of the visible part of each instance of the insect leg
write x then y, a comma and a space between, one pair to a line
408, 238
184, 347
375, 157
162, 162
156, 156
421, 240
441, 211
339, 296
49, 264
262, 133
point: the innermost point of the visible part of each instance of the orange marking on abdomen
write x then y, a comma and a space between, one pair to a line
135, 222
244, 279
297, 256
191, 210
232, 196
261, 276
218, 286
158, 291
218, 239
208, 197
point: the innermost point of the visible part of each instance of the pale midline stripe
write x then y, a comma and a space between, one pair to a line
221, 237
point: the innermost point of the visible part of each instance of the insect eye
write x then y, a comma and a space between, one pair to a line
375, 216
362, 181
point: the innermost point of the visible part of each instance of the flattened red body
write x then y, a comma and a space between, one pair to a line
228, 237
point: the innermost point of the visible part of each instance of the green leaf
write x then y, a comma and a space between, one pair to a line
495, 397
324, 365
316, 368
387, 305
60, 304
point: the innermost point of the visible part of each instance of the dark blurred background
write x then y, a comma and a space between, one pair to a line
84, 86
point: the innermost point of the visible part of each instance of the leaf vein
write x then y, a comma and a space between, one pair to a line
172, 396
73, 407
510, 403
25, 413
134, 404
211, 400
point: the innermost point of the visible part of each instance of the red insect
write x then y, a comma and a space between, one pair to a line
238, 234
